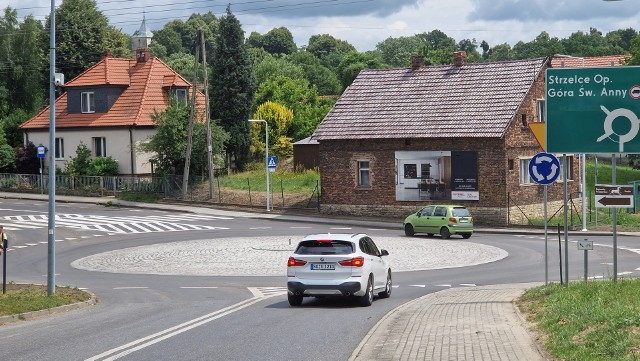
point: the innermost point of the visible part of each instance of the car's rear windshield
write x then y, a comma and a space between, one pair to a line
460, 212
325, 247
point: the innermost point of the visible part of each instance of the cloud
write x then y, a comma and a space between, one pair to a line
293, 9
550, 10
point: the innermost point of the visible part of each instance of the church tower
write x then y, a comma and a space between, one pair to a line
141, 39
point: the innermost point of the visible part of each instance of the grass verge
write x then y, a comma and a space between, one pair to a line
21, 298
597, 320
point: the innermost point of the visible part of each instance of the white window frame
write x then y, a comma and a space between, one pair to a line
99, 146
364, 173
59, 148
88, 102
181, 95
541, 106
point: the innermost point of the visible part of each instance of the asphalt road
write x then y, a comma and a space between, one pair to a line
163, 315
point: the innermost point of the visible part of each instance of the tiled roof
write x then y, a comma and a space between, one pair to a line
474, 100
589, 61
144, 92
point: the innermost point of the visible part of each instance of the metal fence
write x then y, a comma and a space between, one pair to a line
168, 187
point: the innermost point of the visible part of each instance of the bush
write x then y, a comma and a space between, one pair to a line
103, 166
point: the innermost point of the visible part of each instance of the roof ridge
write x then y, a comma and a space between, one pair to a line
143, 98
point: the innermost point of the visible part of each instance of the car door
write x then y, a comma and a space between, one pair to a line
379, 270
422, 219
437, 220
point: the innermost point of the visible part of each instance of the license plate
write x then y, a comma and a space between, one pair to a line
464, 220
323, 266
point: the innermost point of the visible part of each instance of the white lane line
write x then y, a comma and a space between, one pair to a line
197, 287
445, 285
341, 228
31, 244
259, 227
130, 288
300, 227
173, 331
468, 285
19, 246
422, 286
624, 273
395, 286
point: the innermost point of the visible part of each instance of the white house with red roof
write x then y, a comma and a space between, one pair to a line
109, 107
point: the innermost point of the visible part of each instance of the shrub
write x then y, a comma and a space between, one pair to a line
103, 166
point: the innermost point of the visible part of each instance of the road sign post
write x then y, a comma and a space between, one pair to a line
544, 169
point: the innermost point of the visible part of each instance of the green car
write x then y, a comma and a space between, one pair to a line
443, 219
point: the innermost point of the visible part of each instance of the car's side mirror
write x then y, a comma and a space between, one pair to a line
384, 252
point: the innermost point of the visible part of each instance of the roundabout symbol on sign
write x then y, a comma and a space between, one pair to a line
544, 168
608, 126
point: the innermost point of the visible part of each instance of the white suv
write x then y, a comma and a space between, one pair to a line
338, 264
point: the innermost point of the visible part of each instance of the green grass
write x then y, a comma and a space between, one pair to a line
597, 320
20, 299
286, 181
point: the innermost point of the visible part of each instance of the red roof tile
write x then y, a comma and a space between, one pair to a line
144, 91
474, 100
589, 61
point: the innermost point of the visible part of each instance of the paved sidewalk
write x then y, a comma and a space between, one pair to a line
470, 323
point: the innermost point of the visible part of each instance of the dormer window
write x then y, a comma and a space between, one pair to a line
88, 102
181, 96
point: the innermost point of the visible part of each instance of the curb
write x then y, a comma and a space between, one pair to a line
4, 320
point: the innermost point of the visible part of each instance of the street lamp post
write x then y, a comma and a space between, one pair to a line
266, 155
583, 164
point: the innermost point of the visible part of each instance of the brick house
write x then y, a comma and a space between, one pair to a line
109, 108
402, 138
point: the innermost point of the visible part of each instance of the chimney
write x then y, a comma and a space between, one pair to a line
142, 55
417, 61
459, 58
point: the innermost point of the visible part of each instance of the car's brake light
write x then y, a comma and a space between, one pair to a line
453, 220
324, 241
471, 219
353, 262
295, 262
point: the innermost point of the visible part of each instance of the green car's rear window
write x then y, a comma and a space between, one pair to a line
460, 212
325, 247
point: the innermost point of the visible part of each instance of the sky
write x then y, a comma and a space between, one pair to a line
365, 23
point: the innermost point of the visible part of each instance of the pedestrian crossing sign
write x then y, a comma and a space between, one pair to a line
271, 163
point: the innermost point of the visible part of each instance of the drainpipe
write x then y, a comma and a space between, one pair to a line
132, 150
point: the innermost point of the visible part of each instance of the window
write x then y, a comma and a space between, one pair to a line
364, 173
181, 96
88, 102
100, 146
526, 179
59, 148
542, 106
511, 165
425, 171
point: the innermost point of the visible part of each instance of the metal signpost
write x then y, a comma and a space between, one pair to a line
271, 165
594, 110
585, 246
544, 169
42, 152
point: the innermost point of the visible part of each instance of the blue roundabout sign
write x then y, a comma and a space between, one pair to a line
544, 168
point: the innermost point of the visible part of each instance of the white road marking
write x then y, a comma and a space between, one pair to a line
130, 288
197, 287
468, 285
300, 227
172, 331
341, 228
423, 286
443, 285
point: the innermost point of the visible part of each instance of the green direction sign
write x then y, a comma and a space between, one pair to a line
593, 110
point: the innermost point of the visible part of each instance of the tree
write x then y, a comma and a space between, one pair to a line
232, 88
542, 45
276, 41
325, 44
11, 126
299, 96
317, 74
271, 67
279, 118
354, 62
397, 52
169, 144
81, 36
500, 52
27, 161
103, 166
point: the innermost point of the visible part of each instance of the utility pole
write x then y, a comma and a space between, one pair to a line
206, 112
187, 158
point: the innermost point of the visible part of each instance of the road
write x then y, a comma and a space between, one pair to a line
198, 286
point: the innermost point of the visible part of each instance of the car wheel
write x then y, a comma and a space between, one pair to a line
367, 299
294, 300
466, 235
444, 233
408, 230
387, 289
